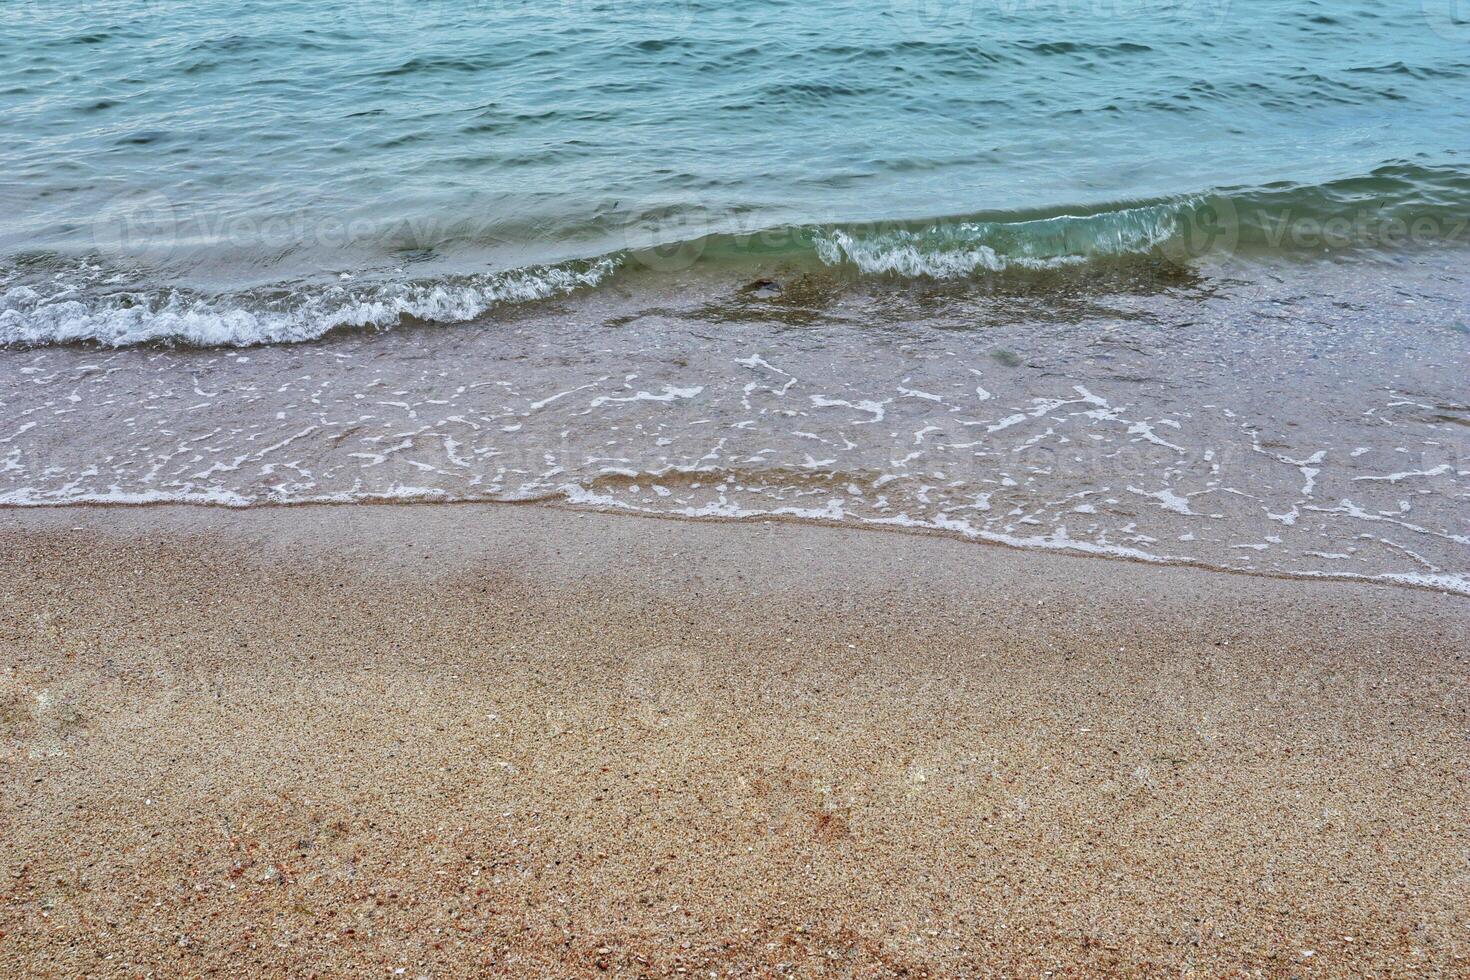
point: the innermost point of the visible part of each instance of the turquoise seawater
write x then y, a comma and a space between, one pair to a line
1171, 281
268, 170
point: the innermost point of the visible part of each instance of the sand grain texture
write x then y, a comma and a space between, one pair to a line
460, 740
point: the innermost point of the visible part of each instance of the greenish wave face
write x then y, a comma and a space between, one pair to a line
270, 170
1395, 207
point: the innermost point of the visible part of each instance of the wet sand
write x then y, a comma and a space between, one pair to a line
468, 740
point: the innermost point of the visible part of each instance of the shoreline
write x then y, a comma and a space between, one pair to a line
543, 740
1172, 425
1448, 585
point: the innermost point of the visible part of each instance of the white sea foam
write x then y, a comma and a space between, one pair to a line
214, 497
751, 421
832, 511
56, 314
904, 253
966, 247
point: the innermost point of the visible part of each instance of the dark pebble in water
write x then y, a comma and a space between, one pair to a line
764, 289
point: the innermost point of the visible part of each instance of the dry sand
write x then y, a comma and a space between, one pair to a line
455, 740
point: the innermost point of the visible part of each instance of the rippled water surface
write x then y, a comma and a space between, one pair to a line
1166, 280
270, 169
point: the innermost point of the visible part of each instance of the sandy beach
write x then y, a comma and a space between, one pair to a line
438, 741
676, 489
453, 741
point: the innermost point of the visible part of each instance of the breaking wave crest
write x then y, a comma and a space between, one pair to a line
78, 308
949, 250
1398, 205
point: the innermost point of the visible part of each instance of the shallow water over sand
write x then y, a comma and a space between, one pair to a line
228, 173
1307, 420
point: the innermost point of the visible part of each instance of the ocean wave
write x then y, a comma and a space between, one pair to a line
947, 250
66, 311
1395, 206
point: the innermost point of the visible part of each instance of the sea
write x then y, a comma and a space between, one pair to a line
1162, 280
